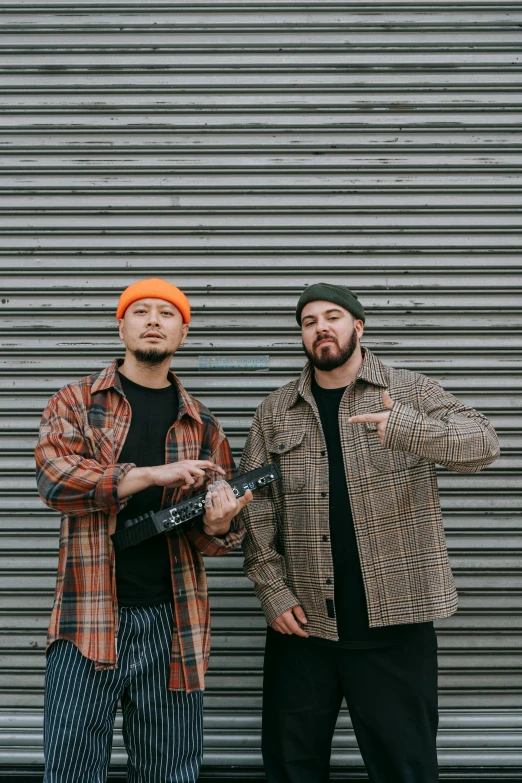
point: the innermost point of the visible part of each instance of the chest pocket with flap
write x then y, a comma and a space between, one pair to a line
289, 450
384, 460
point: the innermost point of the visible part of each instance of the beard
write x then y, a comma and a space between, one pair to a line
335, 355
150, 357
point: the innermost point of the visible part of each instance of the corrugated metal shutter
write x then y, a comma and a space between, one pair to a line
245, 150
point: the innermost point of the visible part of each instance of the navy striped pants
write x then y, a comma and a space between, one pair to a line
162, 729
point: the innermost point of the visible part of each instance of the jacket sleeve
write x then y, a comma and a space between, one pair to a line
444, 431
214, 545
264, 565
69, 479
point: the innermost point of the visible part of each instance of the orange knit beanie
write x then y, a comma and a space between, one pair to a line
154, 288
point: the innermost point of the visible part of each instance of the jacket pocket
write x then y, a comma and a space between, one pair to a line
289, 449
385, 460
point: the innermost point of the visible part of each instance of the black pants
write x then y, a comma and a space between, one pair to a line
391, 693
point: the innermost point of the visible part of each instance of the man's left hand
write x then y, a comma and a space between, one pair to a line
380, 419
221, 506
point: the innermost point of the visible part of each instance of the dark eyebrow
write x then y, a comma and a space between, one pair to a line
326, 312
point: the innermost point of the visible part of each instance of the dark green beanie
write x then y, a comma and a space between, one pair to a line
339, 294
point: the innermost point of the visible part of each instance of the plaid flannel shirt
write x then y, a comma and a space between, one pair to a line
393, 493
82, 433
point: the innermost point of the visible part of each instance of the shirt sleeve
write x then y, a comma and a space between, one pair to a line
69, 479
443, 431
264, 565
214, 546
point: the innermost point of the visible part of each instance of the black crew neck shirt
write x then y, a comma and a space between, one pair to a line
350, 599
143, 574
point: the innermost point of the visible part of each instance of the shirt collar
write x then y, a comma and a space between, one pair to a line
109, 379
372, 370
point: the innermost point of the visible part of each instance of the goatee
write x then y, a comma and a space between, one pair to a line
330, 360
151, 358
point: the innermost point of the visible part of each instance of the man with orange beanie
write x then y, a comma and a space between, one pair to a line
132, 626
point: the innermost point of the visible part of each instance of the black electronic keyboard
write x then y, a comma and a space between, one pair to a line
154, 522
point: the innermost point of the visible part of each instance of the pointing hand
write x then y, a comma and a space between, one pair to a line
380, 419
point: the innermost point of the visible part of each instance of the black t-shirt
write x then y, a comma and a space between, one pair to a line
143, 575
350, 599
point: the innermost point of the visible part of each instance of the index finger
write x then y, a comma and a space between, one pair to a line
362, 417
208, 465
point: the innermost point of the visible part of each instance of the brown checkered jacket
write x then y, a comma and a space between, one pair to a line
393, 493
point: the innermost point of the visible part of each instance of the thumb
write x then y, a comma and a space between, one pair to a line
298, 612
247, 497
387, 400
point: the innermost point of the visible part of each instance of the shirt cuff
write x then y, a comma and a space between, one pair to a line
106, 494
276, 602
402, 427
207, 545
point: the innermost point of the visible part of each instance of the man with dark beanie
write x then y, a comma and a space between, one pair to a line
347, 553
132, 626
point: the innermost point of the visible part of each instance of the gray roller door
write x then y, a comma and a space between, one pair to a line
243, 151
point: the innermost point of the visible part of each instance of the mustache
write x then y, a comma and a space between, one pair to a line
325, 337
157, 331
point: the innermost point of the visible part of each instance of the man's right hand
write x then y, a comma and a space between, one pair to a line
187, 474
290, 622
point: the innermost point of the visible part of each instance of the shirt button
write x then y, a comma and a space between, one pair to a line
281, 446
323, 453
325, 538
323, 494
328, 581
